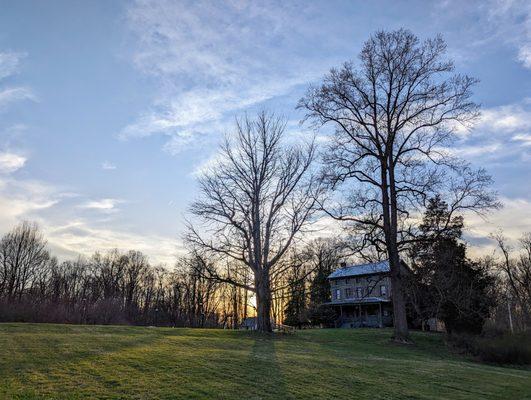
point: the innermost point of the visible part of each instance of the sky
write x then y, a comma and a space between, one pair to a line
110, 109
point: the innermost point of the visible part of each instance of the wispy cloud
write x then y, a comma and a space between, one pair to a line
9, 63
507, 118
11, 95
80, 237
108, 166
511, 20
524, 138
24, 199
104, 205
513, 219
500, 132
212, 60
206, 165
11, 162
496, 23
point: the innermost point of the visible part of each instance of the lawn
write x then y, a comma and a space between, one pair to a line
118, 362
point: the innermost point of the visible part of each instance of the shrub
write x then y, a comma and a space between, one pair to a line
498, 349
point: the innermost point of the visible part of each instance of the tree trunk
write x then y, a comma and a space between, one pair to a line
401, 332
263, 303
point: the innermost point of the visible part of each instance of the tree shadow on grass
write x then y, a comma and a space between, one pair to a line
264, 378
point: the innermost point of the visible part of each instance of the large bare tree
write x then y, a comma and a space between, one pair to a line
254, 203
395, 115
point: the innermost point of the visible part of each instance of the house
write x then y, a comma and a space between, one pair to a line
361, 295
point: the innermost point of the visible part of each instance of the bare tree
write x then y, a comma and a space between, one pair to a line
254, 203
111, 287
22, 252
517, 273
394, 116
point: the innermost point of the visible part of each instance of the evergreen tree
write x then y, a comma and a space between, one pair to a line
326, 259
295, 311
445, 283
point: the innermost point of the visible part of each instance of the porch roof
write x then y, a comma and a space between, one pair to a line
364, 300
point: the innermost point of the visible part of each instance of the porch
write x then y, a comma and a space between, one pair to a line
364, 314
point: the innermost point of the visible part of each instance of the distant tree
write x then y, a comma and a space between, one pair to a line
516, 271
22, 254
325, 258
111, 287
295, 313
445, 284
254, 203
136, 266
394, 115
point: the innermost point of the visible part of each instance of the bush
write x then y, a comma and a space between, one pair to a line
499, 349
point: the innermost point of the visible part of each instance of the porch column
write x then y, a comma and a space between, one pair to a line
380, 314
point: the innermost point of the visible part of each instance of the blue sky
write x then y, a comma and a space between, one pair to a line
108, 110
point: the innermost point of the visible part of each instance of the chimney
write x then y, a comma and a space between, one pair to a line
342, 264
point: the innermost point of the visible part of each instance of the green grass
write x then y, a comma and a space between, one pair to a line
110, 362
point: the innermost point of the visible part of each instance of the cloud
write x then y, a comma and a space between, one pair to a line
11, 162
108, 166
507, 118
24, 200
68, 234
11, 95
104, 205
514, 219
206, 165
501, 131
211, 60
524, 56
9, 63
525, 139
81, 237
509, 22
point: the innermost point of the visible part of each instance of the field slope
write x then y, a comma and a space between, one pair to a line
104, 362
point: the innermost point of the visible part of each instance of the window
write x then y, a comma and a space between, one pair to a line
359, 292
349, 293
338, 294
383, 290
346, 281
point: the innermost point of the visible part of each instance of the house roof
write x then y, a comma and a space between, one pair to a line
361, 269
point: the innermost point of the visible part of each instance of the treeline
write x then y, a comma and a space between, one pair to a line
110, 288
124, 288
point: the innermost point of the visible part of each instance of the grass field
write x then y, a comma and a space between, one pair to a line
104, 362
